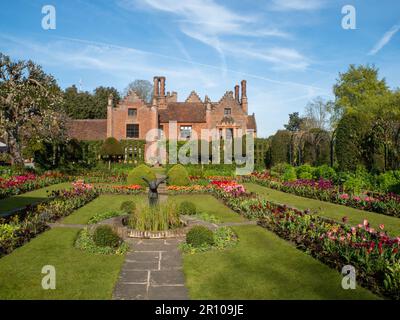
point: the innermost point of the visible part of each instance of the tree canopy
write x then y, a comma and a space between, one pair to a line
30, 105
86, 105
143, 88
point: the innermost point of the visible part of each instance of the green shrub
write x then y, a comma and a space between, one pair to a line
389, 181
280, 168
85, 242
104, 236
305, 175
354, 185
200, 236
128, 206
289, 174
135, 176
304, 171
187, 208
178, 176
325, 172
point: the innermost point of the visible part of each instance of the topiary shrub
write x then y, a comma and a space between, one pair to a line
200, 236
128, 206
178, 176
104, 236
135, 176
111, 149
187, 208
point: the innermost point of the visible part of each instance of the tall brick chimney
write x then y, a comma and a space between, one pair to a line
244, 96
110, 111
156, 87
162, 98
156, 90
237, 93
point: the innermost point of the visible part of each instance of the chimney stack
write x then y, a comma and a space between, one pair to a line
244, 96
162, 99
237, 94
156, 87
162, 86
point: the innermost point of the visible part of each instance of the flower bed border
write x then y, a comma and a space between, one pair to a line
365, 279
332, 198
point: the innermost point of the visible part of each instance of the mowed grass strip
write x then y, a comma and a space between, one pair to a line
327, 209
30, 197
263, 266
101, 204
79, 275
212, 206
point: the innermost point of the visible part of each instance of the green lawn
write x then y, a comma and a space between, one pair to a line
327, 209
27, 198
79, 275
263, 266
211, 205
101, 204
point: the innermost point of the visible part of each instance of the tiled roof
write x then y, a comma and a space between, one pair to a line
87, 129
183, 112
251, 122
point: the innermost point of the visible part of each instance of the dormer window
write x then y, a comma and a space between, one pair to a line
227, 111
132, 112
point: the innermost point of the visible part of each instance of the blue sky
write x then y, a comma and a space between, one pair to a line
289, 51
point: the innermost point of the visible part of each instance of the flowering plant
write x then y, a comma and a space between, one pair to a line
325, 190
22, 183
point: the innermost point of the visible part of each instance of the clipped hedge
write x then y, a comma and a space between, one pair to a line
178, 176
135, 176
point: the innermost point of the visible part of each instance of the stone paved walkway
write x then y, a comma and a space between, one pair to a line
153, 271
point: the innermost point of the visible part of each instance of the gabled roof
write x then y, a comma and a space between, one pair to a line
87, 129
193, 97
183, 112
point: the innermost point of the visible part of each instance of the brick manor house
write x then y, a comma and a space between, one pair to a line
132, 118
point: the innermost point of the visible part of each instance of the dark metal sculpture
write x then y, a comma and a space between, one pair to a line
153, 193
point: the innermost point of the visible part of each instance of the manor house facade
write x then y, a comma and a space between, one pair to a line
132, 118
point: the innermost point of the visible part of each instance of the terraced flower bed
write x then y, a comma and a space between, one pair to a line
23, 183
324, 190
372, 252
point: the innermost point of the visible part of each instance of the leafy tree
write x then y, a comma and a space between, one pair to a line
85, 105
29, 102
143, 88
359, 89
100, 99
294, 123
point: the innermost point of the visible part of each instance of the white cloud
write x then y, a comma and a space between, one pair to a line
297, 5
384, 40
208, 22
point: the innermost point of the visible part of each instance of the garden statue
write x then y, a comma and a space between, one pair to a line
153, 193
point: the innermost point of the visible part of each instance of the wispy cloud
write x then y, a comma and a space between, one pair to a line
384, 40
297, 5
210, 23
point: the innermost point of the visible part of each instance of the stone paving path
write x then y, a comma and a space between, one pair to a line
153, 271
